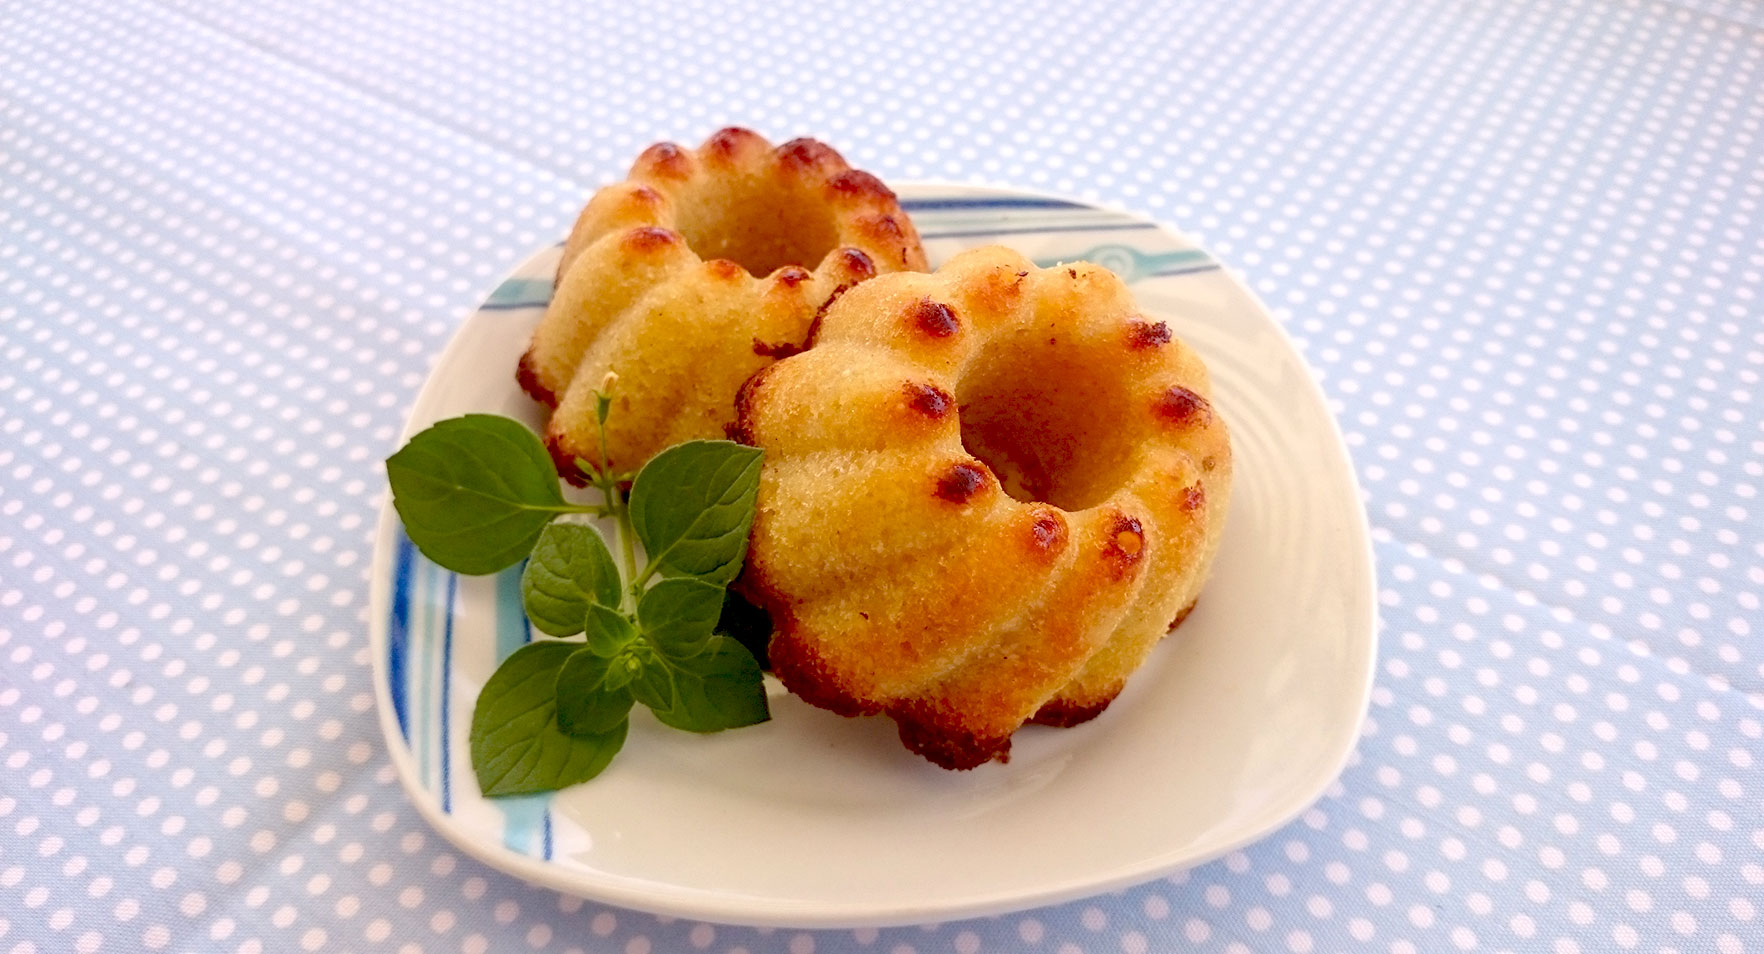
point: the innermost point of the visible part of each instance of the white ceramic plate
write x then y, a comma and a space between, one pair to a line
1237, 723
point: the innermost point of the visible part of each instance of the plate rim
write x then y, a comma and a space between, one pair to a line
736, 909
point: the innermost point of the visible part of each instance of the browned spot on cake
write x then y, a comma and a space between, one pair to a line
665, 159
798, 154
741, 431
944, 742
855, 263
961, 482
934, 318
1193, 498
791, 276
1063, 714
1208, 463
645, 196
649, 238
860, 184
724, 269
564, 459
1183, 407
528, 377
995, 292
1047, 534
814, 328
1147, 334
780, 351
928, 399
1072, 272
884, 227
727, 142
1181, 615
1125, 544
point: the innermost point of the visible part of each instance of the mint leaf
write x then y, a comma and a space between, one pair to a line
609, 631
517, 746
692, 506
570, 570
593, 693
678, 615
475, 491
653, 681
720, 688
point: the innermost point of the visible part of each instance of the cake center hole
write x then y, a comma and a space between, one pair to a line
1049, 418
759, 223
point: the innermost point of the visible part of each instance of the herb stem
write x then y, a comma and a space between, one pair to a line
608, 482
598, 510
627, 545
642, 578
617, 508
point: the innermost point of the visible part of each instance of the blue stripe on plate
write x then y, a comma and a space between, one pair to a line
398, 634
446, 691
512, 630
975, 233
1187, 269
988, 202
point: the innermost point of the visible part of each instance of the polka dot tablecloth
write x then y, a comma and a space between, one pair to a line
1520, 242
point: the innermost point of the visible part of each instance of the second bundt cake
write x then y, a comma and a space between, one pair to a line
702, 267
987, 492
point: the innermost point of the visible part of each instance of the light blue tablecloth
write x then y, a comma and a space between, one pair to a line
1521, 243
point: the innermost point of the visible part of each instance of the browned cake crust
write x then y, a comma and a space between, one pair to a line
702, 267
987, 493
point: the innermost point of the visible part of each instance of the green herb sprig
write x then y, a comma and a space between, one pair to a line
479, 493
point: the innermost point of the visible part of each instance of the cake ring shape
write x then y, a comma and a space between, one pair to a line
699, 269
987, 493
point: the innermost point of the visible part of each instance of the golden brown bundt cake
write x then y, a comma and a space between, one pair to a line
702, 267
987, 492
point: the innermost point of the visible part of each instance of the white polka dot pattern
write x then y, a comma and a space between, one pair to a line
1520, 243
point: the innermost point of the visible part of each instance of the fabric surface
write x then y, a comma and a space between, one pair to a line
1519, 242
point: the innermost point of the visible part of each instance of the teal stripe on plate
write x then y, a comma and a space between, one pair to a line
525, 818
418, 663
520, 293
1132, 263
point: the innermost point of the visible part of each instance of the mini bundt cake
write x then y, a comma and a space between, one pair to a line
698, 270
987, 492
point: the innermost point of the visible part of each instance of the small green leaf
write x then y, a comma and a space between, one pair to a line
593, 693
517, 746
692, 506
475, 491
609, 631
678, 615
652, 681
570, 570
720, 688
